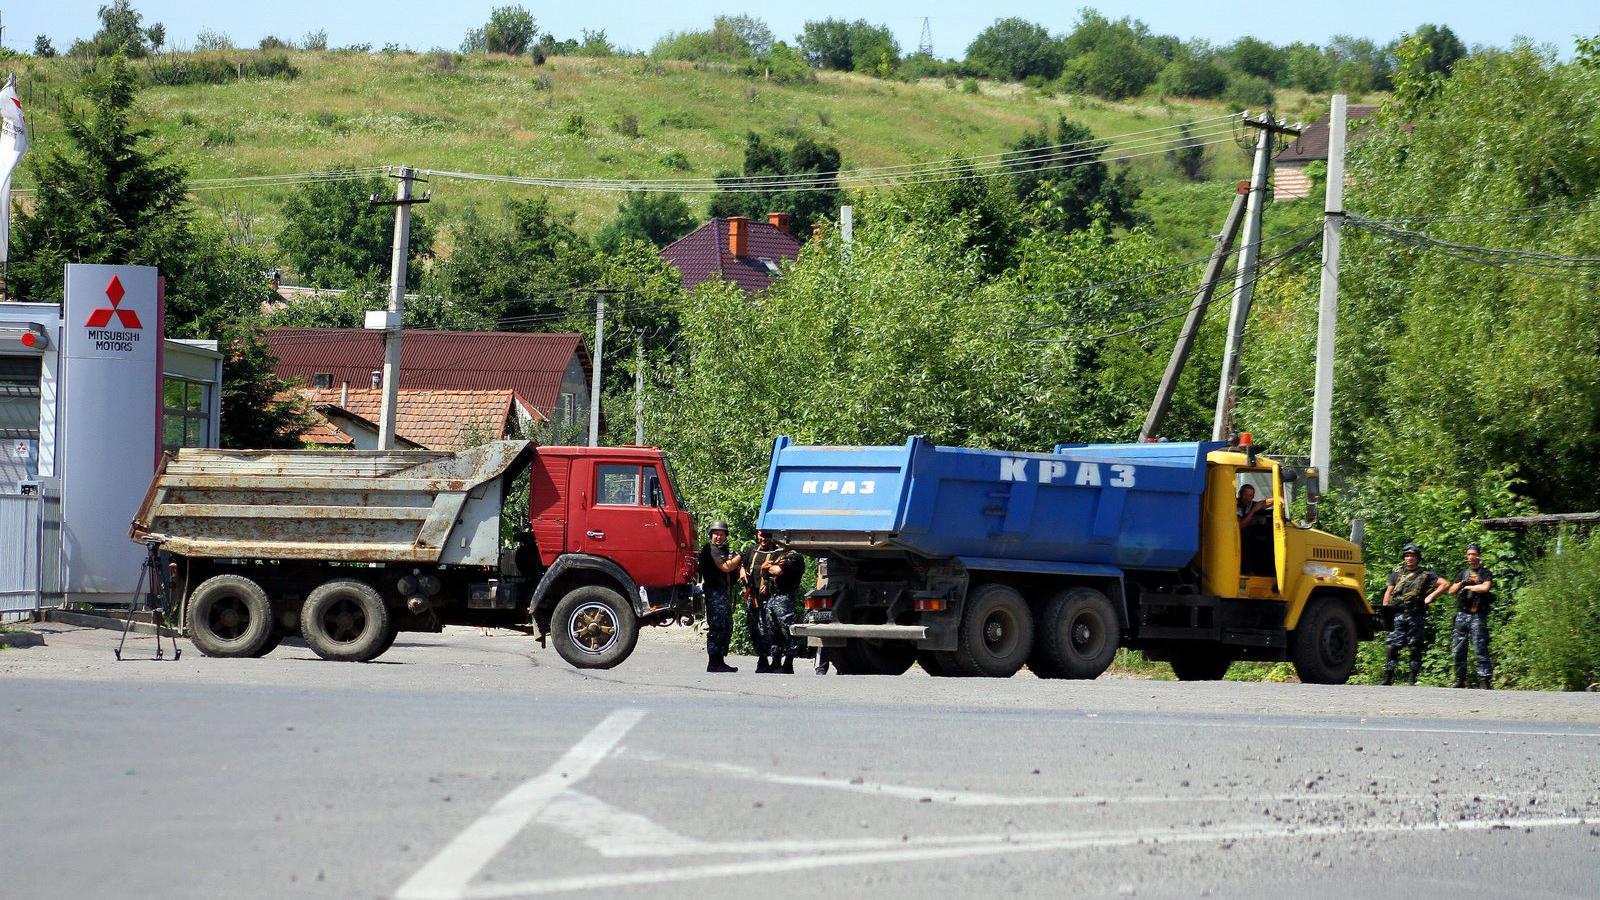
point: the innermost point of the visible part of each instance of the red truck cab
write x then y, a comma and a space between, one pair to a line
615, 544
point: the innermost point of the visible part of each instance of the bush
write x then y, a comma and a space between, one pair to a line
207, 69
510, 29
1012, 49
970, 86
1556, 623
1192, 76
1248, 92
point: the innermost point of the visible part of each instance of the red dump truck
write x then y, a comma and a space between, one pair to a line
348, 548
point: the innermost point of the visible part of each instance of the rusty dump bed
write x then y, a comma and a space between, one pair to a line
419, 506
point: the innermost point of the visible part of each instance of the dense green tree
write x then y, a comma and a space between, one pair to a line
1069, 197
42, 47
333, 234
259, 412
858, 46
109, 195
1013, 49
655, 218
1192, 75
528, 268
1253, 56
1248, 92
510, 29
122, 32
1309, 69
1444, 48
764, 158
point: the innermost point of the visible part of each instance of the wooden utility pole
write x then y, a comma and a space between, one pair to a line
1245, 280
1197, 313
389, 320
594, 380
1328, 302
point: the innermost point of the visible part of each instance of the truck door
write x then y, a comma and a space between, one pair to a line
622, 522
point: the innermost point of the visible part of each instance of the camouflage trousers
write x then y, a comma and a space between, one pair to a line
1473, 627
779, 615
1410, 630
755, 620
719, 622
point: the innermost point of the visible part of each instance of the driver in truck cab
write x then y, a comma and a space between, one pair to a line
1255, 532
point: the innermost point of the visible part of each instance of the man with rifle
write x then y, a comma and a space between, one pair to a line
717, 569
772, 580
1411, 589
1474, 592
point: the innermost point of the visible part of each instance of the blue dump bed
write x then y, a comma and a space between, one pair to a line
1127, 505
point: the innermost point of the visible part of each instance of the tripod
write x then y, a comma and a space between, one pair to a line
157, 586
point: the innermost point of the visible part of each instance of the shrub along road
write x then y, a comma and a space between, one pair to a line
461, 765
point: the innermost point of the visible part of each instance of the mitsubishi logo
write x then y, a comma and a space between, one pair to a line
100, 318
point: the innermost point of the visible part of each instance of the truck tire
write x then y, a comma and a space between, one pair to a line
594, 627
1323, 648
860, 657
937, 663
345, 620
996, 632
1205, 662
1077, 636
272, 644
230, 616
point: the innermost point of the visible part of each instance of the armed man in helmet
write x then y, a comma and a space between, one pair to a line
719, 568
1411, 589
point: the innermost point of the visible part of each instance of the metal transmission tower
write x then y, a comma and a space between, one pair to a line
925, 45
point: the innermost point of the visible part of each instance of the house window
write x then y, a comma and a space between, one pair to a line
19, 397
322, 380
566, 413
185, 415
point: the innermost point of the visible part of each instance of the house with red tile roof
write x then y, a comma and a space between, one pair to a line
750, 254
544, 375
1289, 178
428, 420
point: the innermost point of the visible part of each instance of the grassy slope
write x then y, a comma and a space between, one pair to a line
490, 114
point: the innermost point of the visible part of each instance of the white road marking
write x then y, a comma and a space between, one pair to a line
614, 832
983, 845
446, 876
978, 798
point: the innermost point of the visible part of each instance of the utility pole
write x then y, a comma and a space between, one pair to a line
1197, 313
1245, 280
638, 387
599, 355
389, 320
1328, 302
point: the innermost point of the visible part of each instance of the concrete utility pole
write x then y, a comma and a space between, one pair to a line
638, 388
389, 320
1245, 280
594, 380
1197, 313
1328, 303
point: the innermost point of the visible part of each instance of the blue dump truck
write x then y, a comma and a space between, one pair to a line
977, 562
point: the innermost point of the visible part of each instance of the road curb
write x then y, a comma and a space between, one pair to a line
112, 623
20, 639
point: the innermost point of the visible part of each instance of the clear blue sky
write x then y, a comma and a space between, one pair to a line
425, 25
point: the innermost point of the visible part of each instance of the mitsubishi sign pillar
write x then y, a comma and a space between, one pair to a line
110, 410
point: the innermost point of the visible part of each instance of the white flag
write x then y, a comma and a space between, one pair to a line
13, 143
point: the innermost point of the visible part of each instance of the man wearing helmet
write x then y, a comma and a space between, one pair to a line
1411, 589
718, 569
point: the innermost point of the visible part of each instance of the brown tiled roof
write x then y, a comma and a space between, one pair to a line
434, 420
703, 253
530, 364
1313, 142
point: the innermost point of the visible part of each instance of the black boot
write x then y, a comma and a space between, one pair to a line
718, 664
1484, 683
1414, 674
1388, 677
762, 666
1461, 681
788, 666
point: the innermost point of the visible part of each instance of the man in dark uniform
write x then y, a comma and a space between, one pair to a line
776, 571
1474, 592
1411, 589
717, 572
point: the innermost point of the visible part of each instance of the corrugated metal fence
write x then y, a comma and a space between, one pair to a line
30, 534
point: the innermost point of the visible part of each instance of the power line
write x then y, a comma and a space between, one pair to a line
1497, 257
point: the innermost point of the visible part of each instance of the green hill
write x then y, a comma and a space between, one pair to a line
570, 117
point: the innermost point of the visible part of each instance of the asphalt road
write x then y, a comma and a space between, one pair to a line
473, 766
